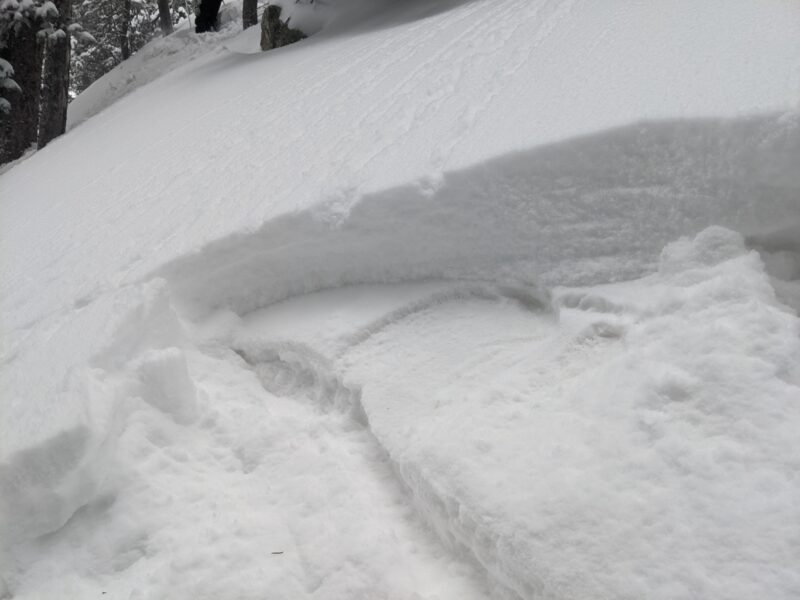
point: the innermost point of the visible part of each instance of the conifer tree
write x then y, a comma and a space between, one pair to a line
119, 28
46, 57
21, 49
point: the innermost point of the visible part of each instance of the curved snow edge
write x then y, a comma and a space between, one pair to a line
593, 209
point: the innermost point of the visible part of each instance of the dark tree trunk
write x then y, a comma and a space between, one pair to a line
55, 88
249, 13
124, 30
165, 16
18, 128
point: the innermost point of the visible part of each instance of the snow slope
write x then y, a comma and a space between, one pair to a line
247, 139
503, 420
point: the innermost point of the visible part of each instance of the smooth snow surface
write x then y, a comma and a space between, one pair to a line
489, 299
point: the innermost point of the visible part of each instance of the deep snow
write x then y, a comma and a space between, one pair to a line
454, 300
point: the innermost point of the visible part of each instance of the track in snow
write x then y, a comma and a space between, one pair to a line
326, 328
343, 355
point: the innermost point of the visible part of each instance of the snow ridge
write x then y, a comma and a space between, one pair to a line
593, 209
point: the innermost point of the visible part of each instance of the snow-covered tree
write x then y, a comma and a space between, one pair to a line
119, 28
115, 39
7, 85
35, 42
53, 57
21, 47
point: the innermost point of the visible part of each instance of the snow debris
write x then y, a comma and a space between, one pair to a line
166, 382
58, 425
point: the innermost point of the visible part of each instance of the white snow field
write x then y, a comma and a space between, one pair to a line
451, 300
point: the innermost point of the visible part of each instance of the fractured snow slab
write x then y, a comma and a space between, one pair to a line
638, 442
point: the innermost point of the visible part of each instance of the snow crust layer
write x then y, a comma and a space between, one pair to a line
360, 303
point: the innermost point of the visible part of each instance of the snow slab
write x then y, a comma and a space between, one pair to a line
511, 424
606, 444
621, 454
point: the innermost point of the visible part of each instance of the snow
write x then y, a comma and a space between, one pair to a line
6, 70
613, 427
157, 58
449, 300
47, 11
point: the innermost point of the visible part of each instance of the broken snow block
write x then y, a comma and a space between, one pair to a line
276, 33
167, 385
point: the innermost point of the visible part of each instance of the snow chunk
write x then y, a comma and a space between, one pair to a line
710, 247
166, 383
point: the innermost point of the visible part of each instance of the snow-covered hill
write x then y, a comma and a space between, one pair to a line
449, 300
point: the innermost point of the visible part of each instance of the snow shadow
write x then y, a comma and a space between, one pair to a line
387, 14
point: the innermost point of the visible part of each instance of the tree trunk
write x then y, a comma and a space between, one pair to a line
276, 33
124, 30
249, 13
165, 16
18, 129
55, 96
